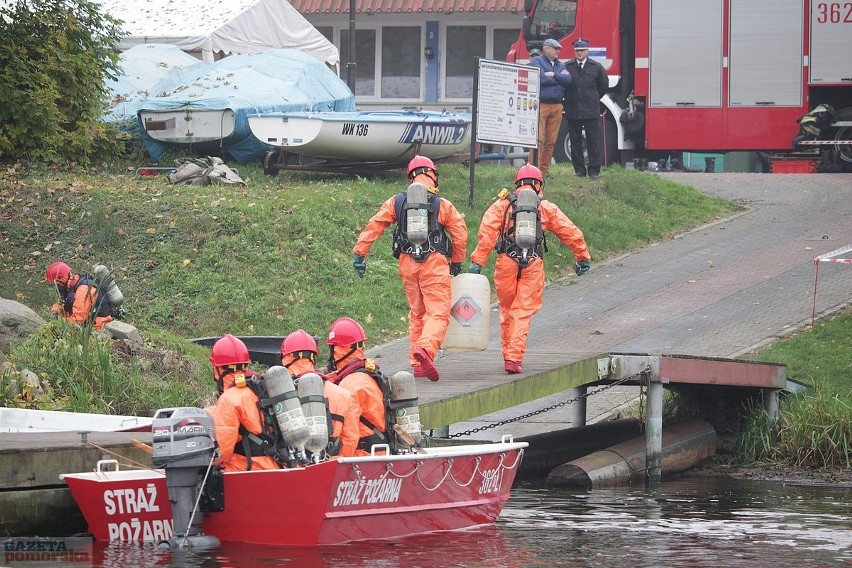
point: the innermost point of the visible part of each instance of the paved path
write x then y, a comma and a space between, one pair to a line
720, 291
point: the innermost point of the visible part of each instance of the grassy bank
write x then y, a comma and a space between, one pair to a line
276, 254
814, 428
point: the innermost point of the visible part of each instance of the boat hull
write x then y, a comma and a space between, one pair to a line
189, 126
371, 136
31, 420
342, 500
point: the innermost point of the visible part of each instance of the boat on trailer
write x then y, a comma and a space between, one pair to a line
358, 140
389, 493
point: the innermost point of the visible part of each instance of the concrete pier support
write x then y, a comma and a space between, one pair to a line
770, 403
654, 431
578, 408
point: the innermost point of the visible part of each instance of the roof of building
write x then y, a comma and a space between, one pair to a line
407, 6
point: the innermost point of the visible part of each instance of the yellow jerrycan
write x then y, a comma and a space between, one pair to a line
470, 313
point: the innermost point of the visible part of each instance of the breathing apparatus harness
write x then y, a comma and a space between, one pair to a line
264, 444
68, 293
437, 240
507, 244
371, 368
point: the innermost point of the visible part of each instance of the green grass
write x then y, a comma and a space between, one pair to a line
276, 255
814, 428
265, 259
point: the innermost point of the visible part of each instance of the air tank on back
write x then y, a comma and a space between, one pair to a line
417, 216
315, 409
526, 218
404, 404
288, 411
106, 281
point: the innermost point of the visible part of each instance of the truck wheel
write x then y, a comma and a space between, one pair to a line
562, 151
610, 141
844, 151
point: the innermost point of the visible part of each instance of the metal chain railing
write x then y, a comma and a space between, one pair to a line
641, 374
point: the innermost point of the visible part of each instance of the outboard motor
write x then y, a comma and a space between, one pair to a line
184, 443
417, 216
288, 410
107, 283
526, 221
405, 411
315, 409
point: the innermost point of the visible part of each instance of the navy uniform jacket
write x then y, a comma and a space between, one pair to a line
583, 95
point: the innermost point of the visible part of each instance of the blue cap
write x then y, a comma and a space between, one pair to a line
581, 44
552, 43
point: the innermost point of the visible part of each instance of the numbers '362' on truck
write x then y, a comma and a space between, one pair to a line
709, 75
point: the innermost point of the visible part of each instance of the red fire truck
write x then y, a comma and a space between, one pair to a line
708, 75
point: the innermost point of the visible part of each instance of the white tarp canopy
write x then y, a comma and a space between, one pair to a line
230, 26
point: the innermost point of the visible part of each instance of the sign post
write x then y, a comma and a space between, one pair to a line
505, 107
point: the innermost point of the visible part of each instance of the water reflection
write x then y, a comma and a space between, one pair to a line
687, 522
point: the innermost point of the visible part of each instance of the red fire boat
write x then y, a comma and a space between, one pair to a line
335, 501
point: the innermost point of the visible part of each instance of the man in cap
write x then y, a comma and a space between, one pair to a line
554, 79
582, 108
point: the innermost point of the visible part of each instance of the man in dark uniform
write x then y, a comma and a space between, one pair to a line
582, 108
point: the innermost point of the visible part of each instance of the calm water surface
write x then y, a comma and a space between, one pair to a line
686, 522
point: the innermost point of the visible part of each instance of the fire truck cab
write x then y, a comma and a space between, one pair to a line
708, 75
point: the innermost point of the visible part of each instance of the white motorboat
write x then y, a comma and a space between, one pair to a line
381, 136
14, 420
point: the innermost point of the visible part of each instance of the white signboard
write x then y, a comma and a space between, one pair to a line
507, 104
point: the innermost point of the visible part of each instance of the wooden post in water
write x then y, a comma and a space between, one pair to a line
578, 410
654, 430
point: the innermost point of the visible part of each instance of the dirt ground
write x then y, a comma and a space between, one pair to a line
718, 466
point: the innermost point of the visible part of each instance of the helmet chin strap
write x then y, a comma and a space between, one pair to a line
332, 362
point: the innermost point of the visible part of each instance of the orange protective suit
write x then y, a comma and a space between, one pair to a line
84, 301
426, 284
519, 290
235, 407
345, 410
365, 390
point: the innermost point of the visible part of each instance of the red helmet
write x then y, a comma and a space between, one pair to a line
298, 342
229, 350
58, 271
419, 165
528, 172
346, 332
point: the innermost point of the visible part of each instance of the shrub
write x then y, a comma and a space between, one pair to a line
54, 57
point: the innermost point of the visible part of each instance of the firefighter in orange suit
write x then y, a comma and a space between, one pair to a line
81, 300
349, 368
299, 356
519, 277
237, 419
425, 271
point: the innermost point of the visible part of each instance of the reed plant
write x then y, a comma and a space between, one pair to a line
814, 427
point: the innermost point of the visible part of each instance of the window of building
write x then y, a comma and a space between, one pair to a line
365, 60
503, 40
464, 45
327, 31
401, 52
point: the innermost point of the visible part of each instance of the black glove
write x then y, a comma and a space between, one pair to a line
582, 267
474, 268
455, 268
360, 264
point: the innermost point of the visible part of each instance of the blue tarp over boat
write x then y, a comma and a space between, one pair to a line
274, 81
143, 69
